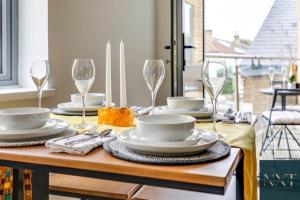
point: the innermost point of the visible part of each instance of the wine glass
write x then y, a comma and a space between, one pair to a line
214, 76
39, 71
83, 74
154, 73
271, 75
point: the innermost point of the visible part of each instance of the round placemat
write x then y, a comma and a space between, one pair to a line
34, 142
119, 150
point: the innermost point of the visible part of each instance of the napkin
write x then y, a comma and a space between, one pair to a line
237, 117
87, 144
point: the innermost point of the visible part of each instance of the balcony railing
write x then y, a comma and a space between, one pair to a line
249, 74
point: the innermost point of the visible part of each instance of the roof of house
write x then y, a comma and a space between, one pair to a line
219, 46
277, 37
278, 33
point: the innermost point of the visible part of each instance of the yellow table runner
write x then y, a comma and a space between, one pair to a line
238, 135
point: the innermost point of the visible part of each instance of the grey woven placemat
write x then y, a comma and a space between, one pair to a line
59, 111
119, 150
34, 142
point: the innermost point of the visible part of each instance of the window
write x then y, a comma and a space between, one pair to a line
8, 42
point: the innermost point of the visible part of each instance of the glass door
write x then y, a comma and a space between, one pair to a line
188, 56
192, 16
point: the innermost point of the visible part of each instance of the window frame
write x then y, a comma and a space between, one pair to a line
191, 40
9, 42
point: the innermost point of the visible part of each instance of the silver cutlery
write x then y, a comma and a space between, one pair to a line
72, 143
93, 133
106, 133
90, 132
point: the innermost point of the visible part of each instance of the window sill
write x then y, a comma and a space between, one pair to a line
18, 93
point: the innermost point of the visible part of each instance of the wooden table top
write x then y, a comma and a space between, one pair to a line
216, 173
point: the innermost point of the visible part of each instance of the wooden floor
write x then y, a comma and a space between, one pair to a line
281, 150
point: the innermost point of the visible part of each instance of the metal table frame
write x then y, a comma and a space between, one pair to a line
40, 180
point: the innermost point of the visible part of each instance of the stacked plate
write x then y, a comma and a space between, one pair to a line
93, 102
167, 135
191, 106
19, 124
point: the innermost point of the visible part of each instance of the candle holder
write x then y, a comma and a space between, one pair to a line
115, 116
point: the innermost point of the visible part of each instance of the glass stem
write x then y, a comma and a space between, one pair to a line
153, 97
40, 94
214, 104
83, 109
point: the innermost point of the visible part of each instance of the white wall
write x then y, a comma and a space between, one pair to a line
163, 38
81, 29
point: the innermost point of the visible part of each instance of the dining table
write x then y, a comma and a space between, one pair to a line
212, 177
284, 94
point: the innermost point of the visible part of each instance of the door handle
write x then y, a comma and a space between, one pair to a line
168, 47
189, 47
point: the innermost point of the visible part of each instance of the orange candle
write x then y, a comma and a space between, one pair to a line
122, 117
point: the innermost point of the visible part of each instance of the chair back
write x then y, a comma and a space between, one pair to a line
279, 83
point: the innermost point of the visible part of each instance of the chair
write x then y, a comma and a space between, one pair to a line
279, 83
283, 117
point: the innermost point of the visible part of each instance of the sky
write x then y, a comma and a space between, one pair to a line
226, 17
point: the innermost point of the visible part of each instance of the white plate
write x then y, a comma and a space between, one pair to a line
207, 141
189, 141
52, 127
71, 107
203, 113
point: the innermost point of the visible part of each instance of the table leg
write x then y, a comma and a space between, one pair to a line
240, 180
18, 184
40, 185
283, 102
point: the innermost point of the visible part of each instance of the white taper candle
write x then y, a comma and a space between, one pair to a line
108, 76
123, 98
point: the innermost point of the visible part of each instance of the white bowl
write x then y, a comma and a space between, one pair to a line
189, 141
23, 118
165, 127
91, 99
185, 103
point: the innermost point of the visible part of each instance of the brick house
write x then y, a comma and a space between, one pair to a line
277, 37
